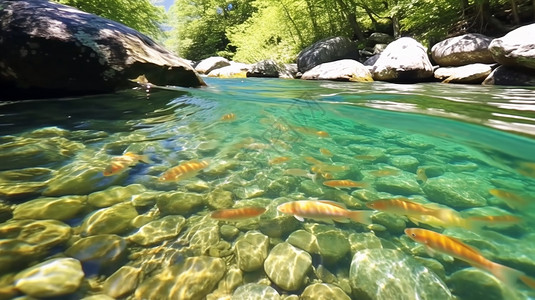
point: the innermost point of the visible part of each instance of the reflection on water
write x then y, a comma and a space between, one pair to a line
182, 192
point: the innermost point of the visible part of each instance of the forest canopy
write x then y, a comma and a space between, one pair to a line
252, 30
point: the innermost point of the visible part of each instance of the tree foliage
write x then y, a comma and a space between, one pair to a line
141, 15
252, 30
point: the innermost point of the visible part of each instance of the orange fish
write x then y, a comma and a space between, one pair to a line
228, 117
184, 170
503, 220
322, 168
434, 241
233, 214
345, 183
311, 131
322, 133
404, 206
326, 152
511, 199
385, 172
120, 163
279, 160
325, 211
313, 161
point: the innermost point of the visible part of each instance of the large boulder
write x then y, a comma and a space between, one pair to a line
49, 50
326, 50
209, 64
234, 70
462, 50
403, 60
265, 68
511, 76
343, 70
515, 49
472, 73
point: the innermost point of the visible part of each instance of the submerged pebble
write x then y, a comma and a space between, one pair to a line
159, 230
113, 219
51, 278
251, 251
287, 266
63, 208
255, 291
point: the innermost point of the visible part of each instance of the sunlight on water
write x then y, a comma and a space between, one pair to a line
137, 188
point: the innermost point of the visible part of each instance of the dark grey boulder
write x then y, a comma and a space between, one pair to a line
326, 50
462, 50
403, 60
515, 49
504, 75
54, 50
264, 68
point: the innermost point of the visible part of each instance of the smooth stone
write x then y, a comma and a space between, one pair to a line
228, 232
326, 50
311, 188
405, 162
255, 291
403, 60
403, 184
14, 190
193, 279
407, 279
157, 231
101, 251
62, 209
463, 50
304, 240
114, 195
362, 241
198, 186
44, 234
278, 226
471, 283
233, 278
113, 219
179, 203
232, 71
340, 70
78, 178
251, 251
394, 223
457, 190
515, 49
122, 283
203, 237
249, 192
333, 246
15, 254
473, 73
27, 174
323, 291
145, 199
220, 199
287, 266
264, 68
51, 278
209, 64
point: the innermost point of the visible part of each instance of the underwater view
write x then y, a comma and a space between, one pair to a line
270, 189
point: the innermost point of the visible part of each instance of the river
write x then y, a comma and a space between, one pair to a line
84, 190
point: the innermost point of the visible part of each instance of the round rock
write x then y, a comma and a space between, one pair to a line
391, 274
55, 277
287, 266
157, 231
323, 291
251, 251
255, 291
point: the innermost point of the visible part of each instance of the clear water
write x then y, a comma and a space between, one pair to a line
472, 139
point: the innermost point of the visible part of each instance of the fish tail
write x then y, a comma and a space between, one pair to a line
361, 216
510, 276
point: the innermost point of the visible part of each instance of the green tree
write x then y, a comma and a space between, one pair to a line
140, 15
199, 26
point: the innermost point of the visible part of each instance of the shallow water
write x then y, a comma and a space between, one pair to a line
466, 140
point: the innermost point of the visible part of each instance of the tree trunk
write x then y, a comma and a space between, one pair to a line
395, 26
514, 10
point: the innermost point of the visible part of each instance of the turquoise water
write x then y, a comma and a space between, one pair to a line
138, 237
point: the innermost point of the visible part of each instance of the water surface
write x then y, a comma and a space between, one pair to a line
466, 140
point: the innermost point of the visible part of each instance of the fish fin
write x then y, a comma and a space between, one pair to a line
510, 276
414, 219
341, 220
361, 216
313, 177
529, 281
145, 159
333, 203
299, 218
430, 251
